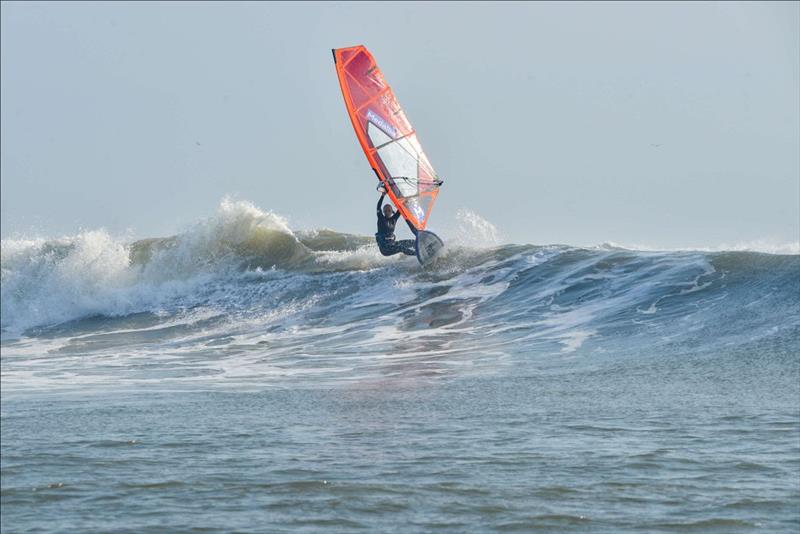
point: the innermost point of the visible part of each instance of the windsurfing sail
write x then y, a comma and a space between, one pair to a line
386, 135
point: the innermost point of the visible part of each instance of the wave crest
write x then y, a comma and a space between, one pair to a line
217, 261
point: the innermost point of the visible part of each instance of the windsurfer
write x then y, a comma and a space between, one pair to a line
387, 218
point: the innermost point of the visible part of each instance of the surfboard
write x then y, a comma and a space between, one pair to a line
428, 246
387, 138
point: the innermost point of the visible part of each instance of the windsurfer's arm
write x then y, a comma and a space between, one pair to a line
380, 201
396, 215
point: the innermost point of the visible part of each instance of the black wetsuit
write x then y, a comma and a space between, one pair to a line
385, 235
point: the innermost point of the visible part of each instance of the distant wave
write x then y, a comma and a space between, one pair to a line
763, 245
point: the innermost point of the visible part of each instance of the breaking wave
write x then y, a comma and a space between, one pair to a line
243, 281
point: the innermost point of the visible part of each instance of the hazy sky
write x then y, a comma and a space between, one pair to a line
668, 124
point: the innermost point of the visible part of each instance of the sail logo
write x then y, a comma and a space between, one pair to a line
381, 123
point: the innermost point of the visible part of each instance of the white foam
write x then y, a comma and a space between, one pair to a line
92, 273
471, 230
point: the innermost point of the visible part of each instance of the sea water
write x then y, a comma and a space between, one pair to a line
244, 377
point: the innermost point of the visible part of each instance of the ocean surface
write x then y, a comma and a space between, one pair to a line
244, 377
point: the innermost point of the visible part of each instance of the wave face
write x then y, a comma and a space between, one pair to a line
241, 298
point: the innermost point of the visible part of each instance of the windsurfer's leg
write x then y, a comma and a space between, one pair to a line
389, 249
406, 246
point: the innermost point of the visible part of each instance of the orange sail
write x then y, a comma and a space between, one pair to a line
388, 140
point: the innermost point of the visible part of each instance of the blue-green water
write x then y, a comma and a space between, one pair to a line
209, 383
711, 444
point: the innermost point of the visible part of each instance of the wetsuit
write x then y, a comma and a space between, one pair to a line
385, 235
